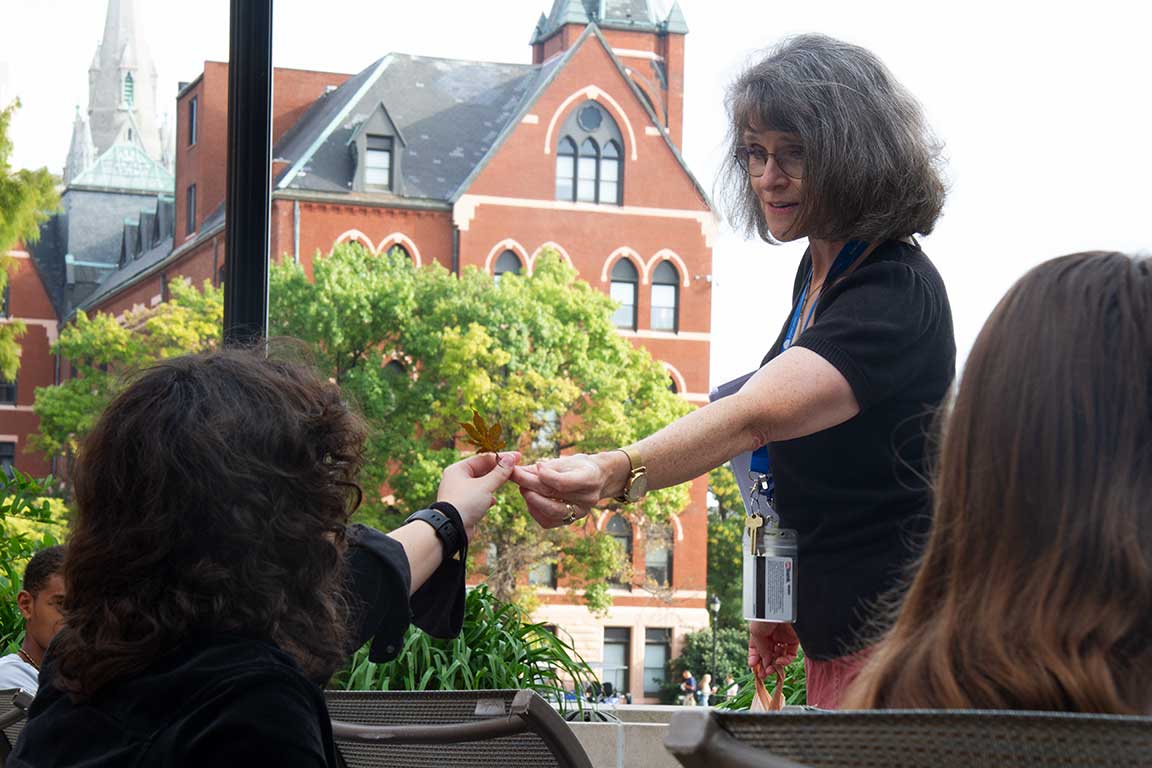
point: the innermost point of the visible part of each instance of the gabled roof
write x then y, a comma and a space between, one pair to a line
633, 15
126, 166
449, 112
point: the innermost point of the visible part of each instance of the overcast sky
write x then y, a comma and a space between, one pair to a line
1043, 106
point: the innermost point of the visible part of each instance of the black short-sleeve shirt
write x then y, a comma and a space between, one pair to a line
856, 493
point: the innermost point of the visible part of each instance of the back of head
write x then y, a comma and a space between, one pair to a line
211, 496
1035, 591
41, 567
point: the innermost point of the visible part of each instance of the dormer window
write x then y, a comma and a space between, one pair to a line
129, 93
589, 158
378, 162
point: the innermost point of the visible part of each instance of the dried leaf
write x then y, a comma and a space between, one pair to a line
487, 439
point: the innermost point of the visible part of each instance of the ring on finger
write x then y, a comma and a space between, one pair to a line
573, 513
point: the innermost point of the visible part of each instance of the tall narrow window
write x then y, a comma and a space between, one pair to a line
665, 297
129, 90
5, 299
507, 261
7, 458
190, 210
193, 116
543, 575
399, 251
658, 556
623, 289
378, 162
657, 649
620, 529
586, 171
609, 192
7, 392
617, 650
566, 170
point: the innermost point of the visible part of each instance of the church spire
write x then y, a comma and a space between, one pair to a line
81, 153
122, 84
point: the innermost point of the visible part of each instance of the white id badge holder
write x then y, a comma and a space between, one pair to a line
770, 555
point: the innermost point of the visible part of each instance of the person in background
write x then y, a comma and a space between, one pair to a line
688, 689
1035, 589
731, 687
704, 691
825, 146
213, 584
40, 600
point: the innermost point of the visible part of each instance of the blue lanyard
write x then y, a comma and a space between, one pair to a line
847, 256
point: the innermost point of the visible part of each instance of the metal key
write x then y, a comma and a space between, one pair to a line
753, 524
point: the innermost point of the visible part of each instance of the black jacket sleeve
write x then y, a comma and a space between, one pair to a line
379, 582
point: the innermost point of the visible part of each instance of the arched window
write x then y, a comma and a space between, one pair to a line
665, 298
610, 164
594, 173
399, 250
566, 170
621, 530
623, 289
658, 556
507, 261
129, 90
672, 387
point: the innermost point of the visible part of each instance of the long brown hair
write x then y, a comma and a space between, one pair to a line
211, 496
1035, 589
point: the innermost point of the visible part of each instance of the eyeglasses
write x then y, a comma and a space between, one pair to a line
754, 161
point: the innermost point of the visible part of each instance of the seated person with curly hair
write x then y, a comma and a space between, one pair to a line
213, 584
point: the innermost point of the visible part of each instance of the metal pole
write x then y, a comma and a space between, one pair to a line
248, 203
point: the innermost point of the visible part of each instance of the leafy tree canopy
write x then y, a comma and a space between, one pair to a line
725, 538
27, 198
419, 349
102, 350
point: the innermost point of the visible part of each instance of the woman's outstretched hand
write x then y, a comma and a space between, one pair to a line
560, 491
469, 485
772, 646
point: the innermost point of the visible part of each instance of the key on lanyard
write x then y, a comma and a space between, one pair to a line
753, 523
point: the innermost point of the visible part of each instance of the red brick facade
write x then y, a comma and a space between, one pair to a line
29, 303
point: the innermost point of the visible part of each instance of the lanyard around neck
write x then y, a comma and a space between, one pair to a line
847, 256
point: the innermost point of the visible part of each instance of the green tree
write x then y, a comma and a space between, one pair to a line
725, 539
28, 522
102, 349
696, 655
27, 198
418, 349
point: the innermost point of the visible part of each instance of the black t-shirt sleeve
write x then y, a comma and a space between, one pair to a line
872, 326
253, 720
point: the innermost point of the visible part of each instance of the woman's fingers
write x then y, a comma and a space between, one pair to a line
549, 512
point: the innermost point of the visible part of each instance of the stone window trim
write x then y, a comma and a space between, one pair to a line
590, 157
624, 288
665, 295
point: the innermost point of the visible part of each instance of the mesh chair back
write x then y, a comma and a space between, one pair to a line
545, 739
916, 739
14, 703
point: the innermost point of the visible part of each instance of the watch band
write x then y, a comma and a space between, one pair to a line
449, 531
636, 469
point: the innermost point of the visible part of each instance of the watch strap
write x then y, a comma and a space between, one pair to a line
450, 531
635, 469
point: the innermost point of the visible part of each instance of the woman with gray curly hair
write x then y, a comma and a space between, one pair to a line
827, 146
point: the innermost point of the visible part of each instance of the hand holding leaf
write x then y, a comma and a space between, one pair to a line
487, 439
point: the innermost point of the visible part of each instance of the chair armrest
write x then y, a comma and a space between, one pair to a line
698, 742
453, 733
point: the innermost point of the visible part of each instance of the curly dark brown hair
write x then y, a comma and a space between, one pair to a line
212, 497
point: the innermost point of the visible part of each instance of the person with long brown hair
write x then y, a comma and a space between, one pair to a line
212, 582
1035, 589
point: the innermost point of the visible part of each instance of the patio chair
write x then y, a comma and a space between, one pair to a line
908, 739
14, 703
413, 729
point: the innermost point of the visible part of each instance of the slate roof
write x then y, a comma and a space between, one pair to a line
127, 166
449, 112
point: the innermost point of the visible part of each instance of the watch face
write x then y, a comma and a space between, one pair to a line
639, 487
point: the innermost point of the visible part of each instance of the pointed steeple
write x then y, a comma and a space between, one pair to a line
81, 153
122, 84
675, 22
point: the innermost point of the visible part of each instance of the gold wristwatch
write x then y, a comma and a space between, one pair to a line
636, 485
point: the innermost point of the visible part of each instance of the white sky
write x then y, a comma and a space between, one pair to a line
1044, 107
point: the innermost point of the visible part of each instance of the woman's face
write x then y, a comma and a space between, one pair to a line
779, 193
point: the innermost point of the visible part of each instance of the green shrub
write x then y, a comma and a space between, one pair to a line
696, 655
28, 523
795, 686
498, 648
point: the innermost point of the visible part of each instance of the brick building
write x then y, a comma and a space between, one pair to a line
470, 163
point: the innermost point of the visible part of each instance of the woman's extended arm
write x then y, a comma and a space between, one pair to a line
796, 394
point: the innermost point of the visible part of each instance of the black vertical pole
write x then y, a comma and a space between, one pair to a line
249, 172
